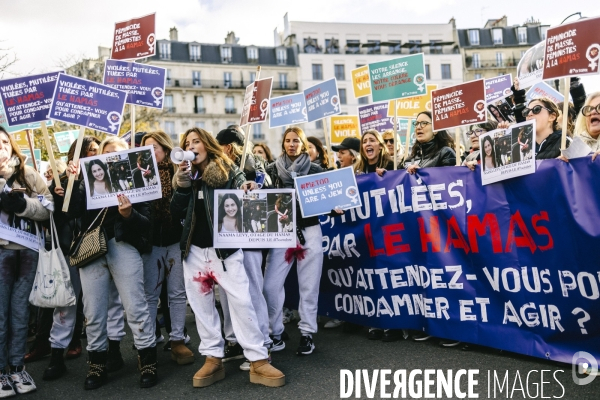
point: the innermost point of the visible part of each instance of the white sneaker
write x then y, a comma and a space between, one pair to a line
6, 385
245, 366
333, 323
22, 381
187, 339
160, 339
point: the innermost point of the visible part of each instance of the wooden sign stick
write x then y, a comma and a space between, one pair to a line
328, 143
395, 155
50, 154
132, 116
30, 143
76, 162
457, 145
248, 129
407, 144
565, 113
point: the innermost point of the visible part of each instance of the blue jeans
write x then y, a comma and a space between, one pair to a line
17, 273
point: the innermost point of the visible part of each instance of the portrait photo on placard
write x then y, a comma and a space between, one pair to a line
230, 213
99, 179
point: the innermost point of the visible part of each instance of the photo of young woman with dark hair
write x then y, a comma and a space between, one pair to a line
230, 214
99, 178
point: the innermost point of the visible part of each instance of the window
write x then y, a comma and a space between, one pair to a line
363, 100
225, 54
352, 46
169, 127
396, 47
227, 80
257, 133
199, 106
196, 81
168, 76
499, 60
374, 47
229, 105
311, 46
168, 106
283, 81
433, 48
252, 76
476, 60
446, 74
427, 72
332, 46
319, 124
477, 76
194, 52
474, 37
317, 72
522, 34
252, 53
165, 50
340, 73
200, 124
543, 30
497, 36
281, 56
342, 93
416, 46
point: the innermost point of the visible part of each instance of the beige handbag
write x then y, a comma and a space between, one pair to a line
89, 245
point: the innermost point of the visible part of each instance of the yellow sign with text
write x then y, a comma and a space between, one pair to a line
411, 107
361, 83
344, 126
21, 139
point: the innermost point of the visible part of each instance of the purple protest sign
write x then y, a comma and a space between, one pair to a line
374, 116
27, 99
498, 88
144, 84
81, 102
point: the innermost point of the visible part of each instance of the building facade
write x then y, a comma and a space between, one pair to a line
497, 48
206, 83
327, 50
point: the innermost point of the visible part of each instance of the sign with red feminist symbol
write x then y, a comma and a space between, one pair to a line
458, 105
134, 38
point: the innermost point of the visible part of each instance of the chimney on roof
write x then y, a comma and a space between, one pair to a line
231, 39
173, 34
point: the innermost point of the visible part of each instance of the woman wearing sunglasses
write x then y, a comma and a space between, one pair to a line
474, 158
547, 132
388, 138
587, 125
431, 149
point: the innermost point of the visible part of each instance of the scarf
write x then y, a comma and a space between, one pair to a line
285, 167
162, 212
10, 167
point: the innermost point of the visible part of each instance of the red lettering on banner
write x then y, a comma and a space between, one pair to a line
373, 252
475, 228
433, 236
542, 230
457, 242
521, 241
392, 240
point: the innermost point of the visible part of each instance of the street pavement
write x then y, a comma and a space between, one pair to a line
318, 376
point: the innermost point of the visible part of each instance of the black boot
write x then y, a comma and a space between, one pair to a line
115, 360
147, 366
57, 367
97, 375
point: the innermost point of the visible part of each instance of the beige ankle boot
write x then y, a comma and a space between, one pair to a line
212, 371
264, 373
180, 353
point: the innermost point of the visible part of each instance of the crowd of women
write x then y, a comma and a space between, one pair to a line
167, 246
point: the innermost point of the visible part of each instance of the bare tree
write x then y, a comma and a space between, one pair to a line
7, 58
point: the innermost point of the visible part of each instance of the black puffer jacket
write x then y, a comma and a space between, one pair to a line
67, 228
550, 148
426, 156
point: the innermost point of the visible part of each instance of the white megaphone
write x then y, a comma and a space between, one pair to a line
179, 155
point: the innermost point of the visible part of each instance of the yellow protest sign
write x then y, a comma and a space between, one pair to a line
411, 107
343, 126
21, 139
361, 83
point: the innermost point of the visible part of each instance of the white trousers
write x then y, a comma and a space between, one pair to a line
63, 325
253, 267
202, 268
309, 278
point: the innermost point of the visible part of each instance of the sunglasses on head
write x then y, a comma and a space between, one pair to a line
587, 110
535, 110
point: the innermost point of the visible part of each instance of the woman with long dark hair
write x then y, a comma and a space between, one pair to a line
261, 149
230, 214
98, 178
547, 131
20, 187
489, 160
317, 152
204, 265
431, 149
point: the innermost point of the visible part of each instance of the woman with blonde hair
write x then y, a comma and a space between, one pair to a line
204, 265
374, 155
163, 264
388, 139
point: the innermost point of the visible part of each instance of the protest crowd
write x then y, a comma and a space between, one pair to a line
156, 257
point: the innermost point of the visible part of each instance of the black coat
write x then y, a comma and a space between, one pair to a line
426, 156
550, 148
66, 227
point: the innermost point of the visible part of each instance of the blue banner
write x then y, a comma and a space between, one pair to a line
144, 84
439, 252
320, 193
81, 102
287, 110
27, 99
322, 100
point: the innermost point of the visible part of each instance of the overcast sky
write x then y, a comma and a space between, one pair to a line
41, 33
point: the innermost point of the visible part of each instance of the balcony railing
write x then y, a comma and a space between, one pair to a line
201, 110
483, 64
170, 110
218, 84
231, 111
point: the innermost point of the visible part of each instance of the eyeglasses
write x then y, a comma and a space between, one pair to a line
587, 110
390, 141
422, 124
535, 110
476, 132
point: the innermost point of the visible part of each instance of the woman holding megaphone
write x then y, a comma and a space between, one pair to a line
204, 265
